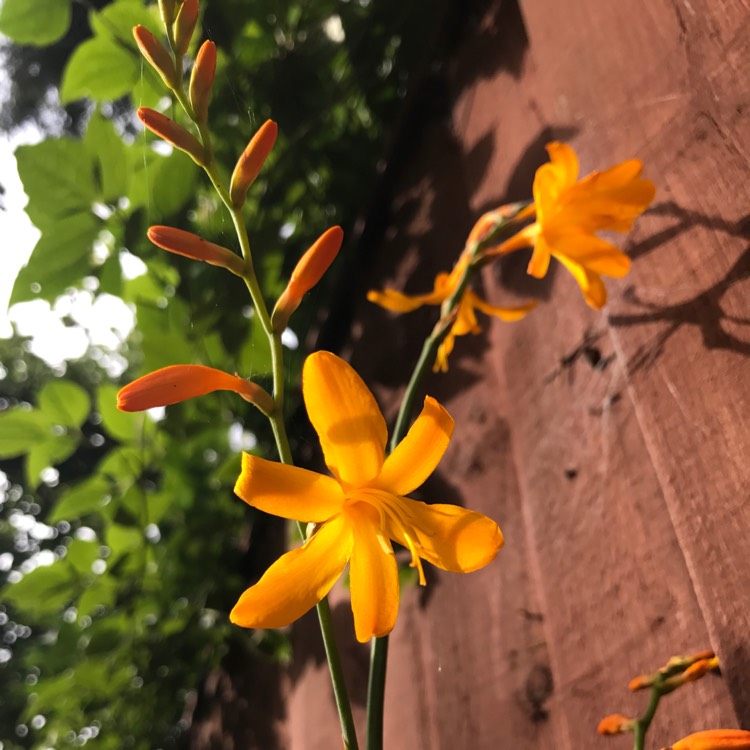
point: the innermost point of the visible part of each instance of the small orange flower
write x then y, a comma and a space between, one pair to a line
202, 80
172, 133
714, 739
466, 319
570, 211
176, 383
156, 54
251, 161
192, 246
615, 724
307, 273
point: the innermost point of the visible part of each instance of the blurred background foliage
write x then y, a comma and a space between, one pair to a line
122, 547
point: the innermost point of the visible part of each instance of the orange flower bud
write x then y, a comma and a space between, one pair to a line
184, 25
156, 54
192, 246
176, 383
202, 80
485, 224
714, 739
252, 160
167, 10
642, 682
307, 273
615, 724
173, 133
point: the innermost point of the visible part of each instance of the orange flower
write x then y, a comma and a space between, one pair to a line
172, 133
156, 54
251, 161
202, 80
184, 25
307, 273
570, 211
615, 724
190, 245
176, 383
359, 510
466, 319
714, 739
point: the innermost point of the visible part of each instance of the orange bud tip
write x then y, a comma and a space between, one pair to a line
156, 54
641, 682
715, 739
192, 246
176, 383
184, 25
615, 724
173, 133
202, 80
251, 162
307, 273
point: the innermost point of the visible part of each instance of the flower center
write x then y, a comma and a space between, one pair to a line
395, 520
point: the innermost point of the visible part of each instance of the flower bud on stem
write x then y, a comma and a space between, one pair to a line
157, 55
251, 162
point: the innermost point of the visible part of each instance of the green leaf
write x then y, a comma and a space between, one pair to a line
20, 430
122, 466
121, 540
51, 452
43, 591
58, 177
81, 555
100, 592
64, 402
123, 426
117, 19
101, 69
36, 22
172, 184
87, 497
60, 259
108, 152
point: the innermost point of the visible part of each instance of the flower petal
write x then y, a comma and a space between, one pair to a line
419, 453
346, 417
591, 252
298, 580
540, 258
288, 491
450, 537
373, 575
392, 300
564, 158
594, 291
508, 314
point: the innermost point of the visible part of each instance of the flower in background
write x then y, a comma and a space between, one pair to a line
466, 319
714, 739
570, 211
359, 510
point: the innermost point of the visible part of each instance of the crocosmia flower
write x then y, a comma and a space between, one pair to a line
466, 319
359, 510
570, 211
714, 739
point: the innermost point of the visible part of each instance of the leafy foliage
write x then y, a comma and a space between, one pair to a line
117, 597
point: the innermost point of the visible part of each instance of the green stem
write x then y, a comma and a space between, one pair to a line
641, 725
278, 426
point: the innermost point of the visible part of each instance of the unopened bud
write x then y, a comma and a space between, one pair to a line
176, 383
173, 133
192, 246
615, 724
202, 80
307, 273
156, 54
184, 25
167, 10
252, 160
714, 739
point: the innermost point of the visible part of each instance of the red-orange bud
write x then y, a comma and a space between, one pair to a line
184, 25
156, 54
714, 739
250, 163
176, 383
615, 724
307, 273
173, 133
167, 10
192, 246
202, 80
